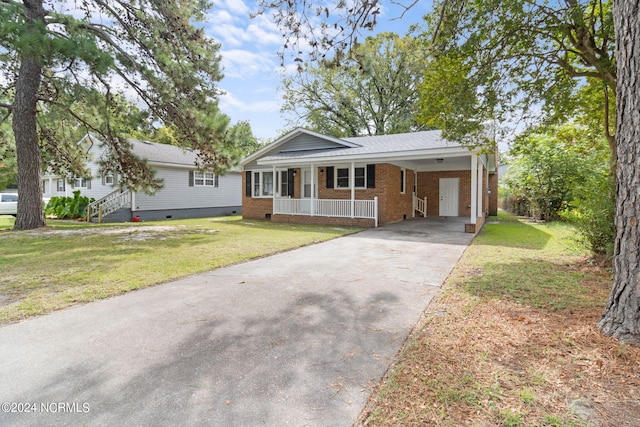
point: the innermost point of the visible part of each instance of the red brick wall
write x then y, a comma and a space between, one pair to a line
429, 187
323, 220
392, 205
493, 197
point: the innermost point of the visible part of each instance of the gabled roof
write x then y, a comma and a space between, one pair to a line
367, 147
161, 154
157, 153
283, 140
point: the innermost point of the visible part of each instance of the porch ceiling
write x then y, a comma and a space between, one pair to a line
433, 164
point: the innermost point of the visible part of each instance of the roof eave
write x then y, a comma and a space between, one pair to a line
378, 157
289, 136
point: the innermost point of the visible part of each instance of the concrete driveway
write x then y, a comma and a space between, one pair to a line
295, 339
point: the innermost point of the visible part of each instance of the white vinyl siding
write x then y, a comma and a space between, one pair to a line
177, 194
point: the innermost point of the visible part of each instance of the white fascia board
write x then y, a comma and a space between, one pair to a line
376, 157
286, 138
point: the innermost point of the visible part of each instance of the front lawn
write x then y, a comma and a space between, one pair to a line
73, 262
511, 341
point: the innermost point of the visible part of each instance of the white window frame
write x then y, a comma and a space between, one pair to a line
283, 182
80, 182
204, 179
109, 179
61, 185
351, 180
403, 179
257, 185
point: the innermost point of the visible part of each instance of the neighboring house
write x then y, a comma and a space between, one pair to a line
307, 177
186, 192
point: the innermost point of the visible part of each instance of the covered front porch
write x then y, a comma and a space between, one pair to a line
365, 209
367, 181
375, 194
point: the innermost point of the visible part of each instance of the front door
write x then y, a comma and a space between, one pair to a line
449, 196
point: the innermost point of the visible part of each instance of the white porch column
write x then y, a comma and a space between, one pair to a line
313, 189
274, 188
474, 188
480, 190
352, 182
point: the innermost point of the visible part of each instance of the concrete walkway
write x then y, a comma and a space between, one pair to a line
294, 339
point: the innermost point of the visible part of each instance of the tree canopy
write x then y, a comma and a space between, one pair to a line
67, 67
369, 90
496, 60
522, 56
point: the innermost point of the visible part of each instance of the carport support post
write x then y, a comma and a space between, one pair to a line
312, 201
352, 179
474, 187
480, 188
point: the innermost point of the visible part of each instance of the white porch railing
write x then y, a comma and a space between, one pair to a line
108, 204
419, 205
327, 207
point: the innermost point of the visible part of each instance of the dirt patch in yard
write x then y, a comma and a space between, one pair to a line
488, 362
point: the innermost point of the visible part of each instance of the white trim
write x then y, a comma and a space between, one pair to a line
289, 136
383, 157
313, 189
352, 183
351, 178
403, 179
261, 182
474, 186
480, 195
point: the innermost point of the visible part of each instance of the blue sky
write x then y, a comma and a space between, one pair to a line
251, 65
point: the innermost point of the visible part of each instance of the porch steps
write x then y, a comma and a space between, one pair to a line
419, 205
108, 204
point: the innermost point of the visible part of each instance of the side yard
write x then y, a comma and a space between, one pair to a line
511, 341
72, 262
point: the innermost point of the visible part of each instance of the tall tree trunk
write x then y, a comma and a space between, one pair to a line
621, 318
30, 210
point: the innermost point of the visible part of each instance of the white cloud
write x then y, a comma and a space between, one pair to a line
244, 64
236, 6
229, 103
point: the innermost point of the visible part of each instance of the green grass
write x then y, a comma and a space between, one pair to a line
474, 361
516, 259
6, 222
73, 262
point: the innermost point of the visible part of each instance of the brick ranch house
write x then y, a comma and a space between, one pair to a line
309, 178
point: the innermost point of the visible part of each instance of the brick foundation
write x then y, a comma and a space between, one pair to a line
323, 220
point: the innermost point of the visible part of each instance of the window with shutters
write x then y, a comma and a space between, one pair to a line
263, 184
342, 177
81, 183
205, 179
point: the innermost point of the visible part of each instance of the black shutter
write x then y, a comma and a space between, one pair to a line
247, 184
291, 183
371, 176
329, 176
190, 178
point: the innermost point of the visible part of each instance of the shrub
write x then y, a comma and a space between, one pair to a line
68, 207
594, 212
